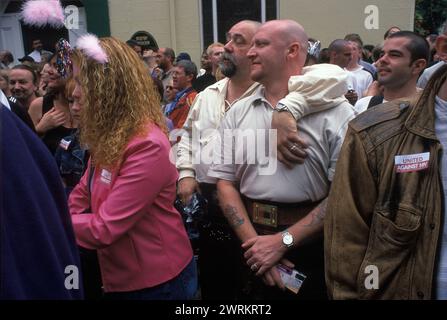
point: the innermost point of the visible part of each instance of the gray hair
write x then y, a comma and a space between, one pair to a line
189, 67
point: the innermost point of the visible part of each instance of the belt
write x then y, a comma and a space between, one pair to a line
273, 216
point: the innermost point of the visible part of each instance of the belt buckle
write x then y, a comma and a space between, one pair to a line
265, 214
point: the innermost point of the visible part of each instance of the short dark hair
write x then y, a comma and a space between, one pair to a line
27, 68
354, 37
169, 52
418, 45
376, 52
324, 56
368, 47
337, 45
189, 67
7, 55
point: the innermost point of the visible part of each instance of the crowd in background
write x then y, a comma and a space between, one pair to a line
106, 121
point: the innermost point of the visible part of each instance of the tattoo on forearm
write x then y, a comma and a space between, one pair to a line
232, 216
318, 214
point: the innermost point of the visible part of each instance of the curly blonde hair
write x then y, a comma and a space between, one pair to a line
119, 100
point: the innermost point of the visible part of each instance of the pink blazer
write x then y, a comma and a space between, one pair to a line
139, 235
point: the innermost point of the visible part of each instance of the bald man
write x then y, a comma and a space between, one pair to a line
276, 211
340, 53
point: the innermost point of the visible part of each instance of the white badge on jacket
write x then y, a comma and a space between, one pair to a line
106, 176
411, 162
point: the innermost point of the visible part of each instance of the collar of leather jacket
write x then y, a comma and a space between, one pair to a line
380, 113
421, 120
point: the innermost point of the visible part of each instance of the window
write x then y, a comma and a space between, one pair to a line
218, 16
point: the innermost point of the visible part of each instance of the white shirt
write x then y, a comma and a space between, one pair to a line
250, 157
37, 56
361, 80
194, 151
4, 100
320, 87
362, 104
441, 133
426, 75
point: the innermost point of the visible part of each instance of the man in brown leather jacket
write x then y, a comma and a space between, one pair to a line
384, 223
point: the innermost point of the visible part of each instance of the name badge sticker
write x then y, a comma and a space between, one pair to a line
64, 144
412, 162
106, 176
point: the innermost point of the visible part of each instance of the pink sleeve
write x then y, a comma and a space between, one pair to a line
78, 201
141, 177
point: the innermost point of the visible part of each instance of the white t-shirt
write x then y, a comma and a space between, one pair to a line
426, 75
362, 104
361, 80
441, 133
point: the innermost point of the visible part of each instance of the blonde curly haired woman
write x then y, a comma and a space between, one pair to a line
123, 206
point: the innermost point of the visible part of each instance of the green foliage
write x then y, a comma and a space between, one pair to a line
429, 16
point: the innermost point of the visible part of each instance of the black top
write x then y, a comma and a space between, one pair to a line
21, 112
204, 81
53, 136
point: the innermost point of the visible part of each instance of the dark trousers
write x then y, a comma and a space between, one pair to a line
220, 252
309, 260
91, 274
224, 273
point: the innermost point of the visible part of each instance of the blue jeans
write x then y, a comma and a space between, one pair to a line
182, 287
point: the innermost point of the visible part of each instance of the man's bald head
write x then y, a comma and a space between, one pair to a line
290, 32
254, 25
340, 53
279, 51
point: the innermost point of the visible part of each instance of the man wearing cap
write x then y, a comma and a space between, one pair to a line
27, 60
135, 46
183, 56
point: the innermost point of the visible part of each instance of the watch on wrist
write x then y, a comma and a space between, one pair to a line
287, 239
281, 107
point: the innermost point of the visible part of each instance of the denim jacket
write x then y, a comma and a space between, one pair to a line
384, 213
71, 159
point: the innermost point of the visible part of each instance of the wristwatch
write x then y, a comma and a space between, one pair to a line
280, 107
287, 239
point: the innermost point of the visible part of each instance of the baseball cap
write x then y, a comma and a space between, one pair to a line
26, 59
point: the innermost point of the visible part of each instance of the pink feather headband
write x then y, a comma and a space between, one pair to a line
89, 45
39, 13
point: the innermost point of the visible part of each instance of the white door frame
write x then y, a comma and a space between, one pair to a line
11, 38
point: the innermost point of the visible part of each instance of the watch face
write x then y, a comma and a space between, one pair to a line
288, 239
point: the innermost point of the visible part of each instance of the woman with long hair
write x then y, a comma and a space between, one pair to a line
50, 113
123, 205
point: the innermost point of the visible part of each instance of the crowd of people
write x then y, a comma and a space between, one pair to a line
314, 166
